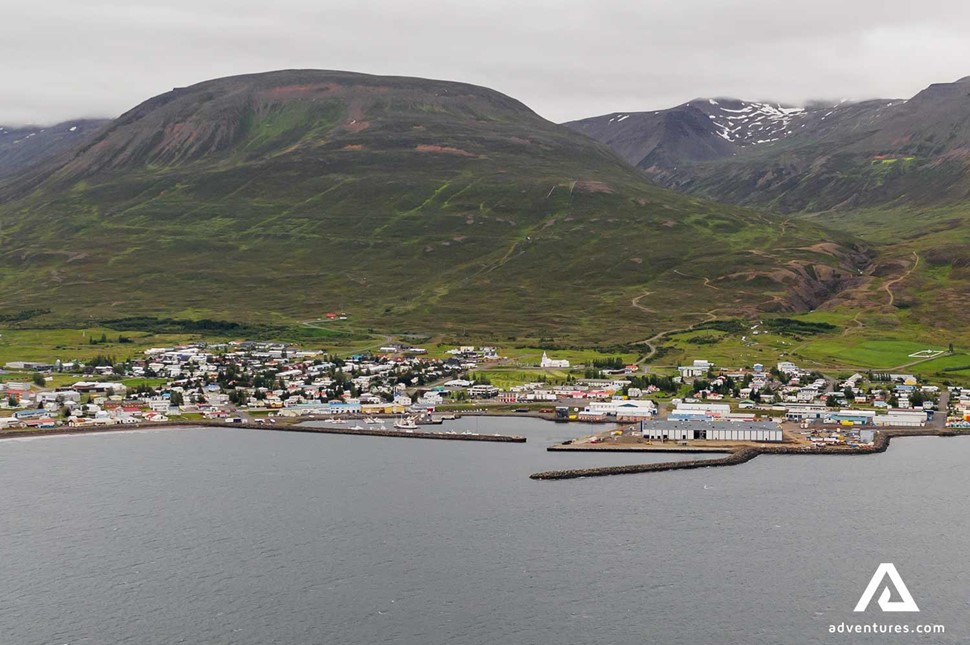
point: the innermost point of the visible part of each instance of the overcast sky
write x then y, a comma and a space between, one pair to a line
564, 58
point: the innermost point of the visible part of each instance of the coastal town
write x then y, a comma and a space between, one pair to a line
696, 405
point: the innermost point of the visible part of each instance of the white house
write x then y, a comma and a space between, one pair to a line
622, 409
431, 398
699, 368
482, 391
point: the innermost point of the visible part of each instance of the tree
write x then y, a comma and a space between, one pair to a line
176, 399
39, 380
12, 402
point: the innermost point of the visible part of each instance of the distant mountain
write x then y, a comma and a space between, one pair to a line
25, 146
408, 202
816, 158
706, 130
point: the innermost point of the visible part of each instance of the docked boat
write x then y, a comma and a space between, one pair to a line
406, 424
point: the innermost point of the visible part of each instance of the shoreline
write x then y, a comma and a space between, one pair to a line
367, 432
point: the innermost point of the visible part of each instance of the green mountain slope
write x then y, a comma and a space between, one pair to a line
409, 203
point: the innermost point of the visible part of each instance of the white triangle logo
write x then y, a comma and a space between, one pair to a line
906, 602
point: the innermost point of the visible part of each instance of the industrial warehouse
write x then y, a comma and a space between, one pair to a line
715, 431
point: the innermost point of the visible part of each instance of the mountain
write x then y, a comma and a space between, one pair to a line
698, 131
820, 157
409, 203
24, 146
895, 173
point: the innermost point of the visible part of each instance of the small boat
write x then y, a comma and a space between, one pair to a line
406, 424
371, 421
356, 426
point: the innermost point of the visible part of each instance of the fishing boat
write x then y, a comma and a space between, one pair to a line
406, 424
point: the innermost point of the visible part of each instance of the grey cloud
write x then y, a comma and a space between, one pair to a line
564, 58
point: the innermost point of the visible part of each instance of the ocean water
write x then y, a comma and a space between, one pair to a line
253, 537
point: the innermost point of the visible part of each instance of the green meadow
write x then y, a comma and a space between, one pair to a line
869, 353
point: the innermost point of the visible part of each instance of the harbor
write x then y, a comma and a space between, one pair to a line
289, 427
880, 444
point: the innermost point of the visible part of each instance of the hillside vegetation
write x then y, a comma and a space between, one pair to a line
408, 203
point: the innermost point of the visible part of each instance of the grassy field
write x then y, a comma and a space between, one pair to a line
70, 344
870, 353
506, 378
955, 368
724, 348
860, 341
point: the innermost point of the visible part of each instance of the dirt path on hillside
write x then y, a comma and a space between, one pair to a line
636, 303
707, 281
649, 342
859, 324
888, 286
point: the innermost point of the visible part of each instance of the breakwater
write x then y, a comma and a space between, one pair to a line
880, 444
444, 436
733, 459
586, 448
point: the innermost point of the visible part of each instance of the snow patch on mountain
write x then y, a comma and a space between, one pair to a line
752, 123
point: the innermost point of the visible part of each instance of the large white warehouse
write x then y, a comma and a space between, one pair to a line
717, 431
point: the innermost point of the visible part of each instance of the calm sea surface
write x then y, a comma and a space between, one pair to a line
252, 537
